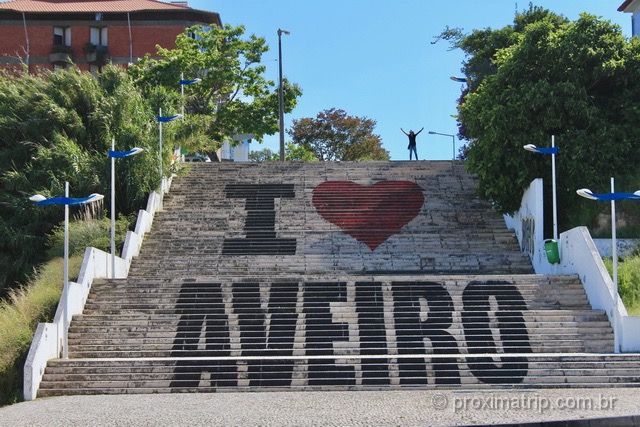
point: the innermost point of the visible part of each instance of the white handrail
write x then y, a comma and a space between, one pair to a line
46, 344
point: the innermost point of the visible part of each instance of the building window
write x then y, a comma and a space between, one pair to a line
61, 36
98, 36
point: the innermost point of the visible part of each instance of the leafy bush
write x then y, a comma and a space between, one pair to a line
57, 127
93, 233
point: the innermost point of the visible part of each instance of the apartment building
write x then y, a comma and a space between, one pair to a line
51, 33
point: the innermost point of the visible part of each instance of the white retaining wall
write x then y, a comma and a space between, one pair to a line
528, 224
578, 255
48, 339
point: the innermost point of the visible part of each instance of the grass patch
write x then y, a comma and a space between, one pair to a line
19, 316
628, 282
36, 302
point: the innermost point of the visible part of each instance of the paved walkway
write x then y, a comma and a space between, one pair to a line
375, 408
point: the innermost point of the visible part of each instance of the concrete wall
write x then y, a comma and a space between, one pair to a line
626, 247
528, 224
48, 341
578, 255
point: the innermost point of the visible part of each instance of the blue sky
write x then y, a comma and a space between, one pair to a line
375, 59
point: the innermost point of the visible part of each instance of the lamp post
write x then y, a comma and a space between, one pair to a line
281, 93
553, 151
612, 197
184, 83
453, 140
66, 201
458, 79
116, 155
163, 119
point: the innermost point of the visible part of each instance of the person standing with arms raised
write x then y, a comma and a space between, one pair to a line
412, 141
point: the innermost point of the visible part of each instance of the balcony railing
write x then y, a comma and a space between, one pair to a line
96, 54
60, 54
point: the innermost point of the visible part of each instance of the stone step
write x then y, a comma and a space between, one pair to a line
549, 314
95, 326
160, 290
257, 346
221, 346
553, 282
156, 289
358, 372
200, 304
153, 336
332, 380
167, 373
150, 295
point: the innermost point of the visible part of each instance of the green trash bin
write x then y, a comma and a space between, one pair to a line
551, 248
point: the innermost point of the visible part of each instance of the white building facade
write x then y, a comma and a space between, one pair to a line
633, 7
237, 153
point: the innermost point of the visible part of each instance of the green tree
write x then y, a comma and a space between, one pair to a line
292, 152
482, 46
233, 96
57, 127
334, 135
549, 76
264, 155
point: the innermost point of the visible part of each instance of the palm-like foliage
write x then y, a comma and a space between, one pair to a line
57, 127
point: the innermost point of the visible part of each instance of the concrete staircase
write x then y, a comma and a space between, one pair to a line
207, 215
333, 276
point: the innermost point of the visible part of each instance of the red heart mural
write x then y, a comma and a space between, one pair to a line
370, 214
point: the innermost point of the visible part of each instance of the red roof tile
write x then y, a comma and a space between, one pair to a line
62, 6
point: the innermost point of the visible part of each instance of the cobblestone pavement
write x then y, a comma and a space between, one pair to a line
352, 408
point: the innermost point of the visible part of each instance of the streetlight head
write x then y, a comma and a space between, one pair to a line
458, 79
120, 154
432, 132
535, 149
37, 198
586, 193
94, 198
190, 82
281, 32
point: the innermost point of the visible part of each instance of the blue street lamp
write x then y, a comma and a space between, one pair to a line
453, 140
164, 119
458, 79
116, 155
184, 83
612, 197
66, 201
553, 151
